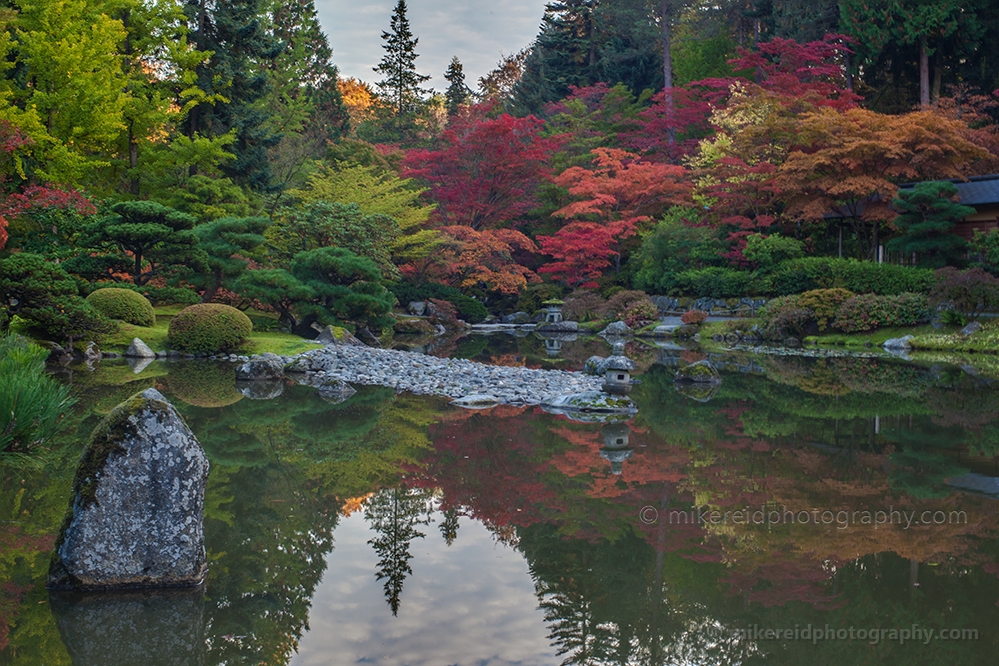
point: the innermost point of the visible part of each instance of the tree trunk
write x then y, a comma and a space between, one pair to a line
667, 10
937, 78
133, 161
849, 71
924, 75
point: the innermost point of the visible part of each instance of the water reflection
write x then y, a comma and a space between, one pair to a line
394, 529
161, 627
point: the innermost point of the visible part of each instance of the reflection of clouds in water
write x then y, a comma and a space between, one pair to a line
470, 603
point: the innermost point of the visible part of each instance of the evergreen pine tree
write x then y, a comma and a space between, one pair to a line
402, 82
927, 216
457, 92
241, 50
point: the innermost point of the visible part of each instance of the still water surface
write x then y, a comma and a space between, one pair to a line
396, 529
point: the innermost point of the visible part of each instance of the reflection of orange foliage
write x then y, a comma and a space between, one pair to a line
353, 504
691, 356
646, 467
509, 360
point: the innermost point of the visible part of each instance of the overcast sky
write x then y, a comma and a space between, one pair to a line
479, 32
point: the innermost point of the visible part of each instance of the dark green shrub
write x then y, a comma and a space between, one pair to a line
823, 303
640, 311
162, 295
868, 312
783, 317
714, 282
469, 309
209, 328
31, 402
532, 299
618, 304
583, 305
123, 304
861, 277
47, 298
971, 292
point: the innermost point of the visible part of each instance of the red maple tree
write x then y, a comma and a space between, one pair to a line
487, 171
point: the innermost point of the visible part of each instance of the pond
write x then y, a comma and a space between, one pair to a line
807, 510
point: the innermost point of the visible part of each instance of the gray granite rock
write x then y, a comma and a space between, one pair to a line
476, 401
971, 329
139, 349
417, 308
593, 402
617, 329
559, 327
664, 331
517, 318
137, 511
265, 367
898, 344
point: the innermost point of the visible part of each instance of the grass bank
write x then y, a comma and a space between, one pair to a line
265, 337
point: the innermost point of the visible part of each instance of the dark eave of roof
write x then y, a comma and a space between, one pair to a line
975, 191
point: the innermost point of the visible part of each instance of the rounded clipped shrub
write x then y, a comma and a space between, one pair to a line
209, 328
824, 303
123, 304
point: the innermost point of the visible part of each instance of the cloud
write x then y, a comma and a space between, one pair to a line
471, 603
479, 32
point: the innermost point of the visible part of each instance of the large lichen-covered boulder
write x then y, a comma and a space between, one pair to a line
136, 516
701, 372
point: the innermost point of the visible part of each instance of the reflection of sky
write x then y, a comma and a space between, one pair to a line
470, 603
479, 32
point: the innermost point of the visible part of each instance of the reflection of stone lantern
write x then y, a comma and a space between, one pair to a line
617, 447
553, 311
553, 346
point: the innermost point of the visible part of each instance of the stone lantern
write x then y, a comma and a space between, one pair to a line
617, 372
553, 311
616, 447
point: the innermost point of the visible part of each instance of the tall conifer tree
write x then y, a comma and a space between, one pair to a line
235, 33
457, 92
402, 82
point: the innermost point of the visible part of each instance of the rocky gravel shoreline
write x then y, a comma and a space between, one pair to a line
430, 375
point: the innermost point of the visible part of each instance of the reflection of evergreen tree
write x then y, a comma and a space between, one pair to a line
449, 526
394, 514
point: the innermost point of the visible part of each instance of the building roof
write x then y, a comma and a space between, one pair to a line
978, 190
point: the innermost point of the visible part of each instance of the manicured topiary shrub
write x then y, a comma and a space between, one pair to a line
868, 312
783, 317
209, 328
824, 303
123, 304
